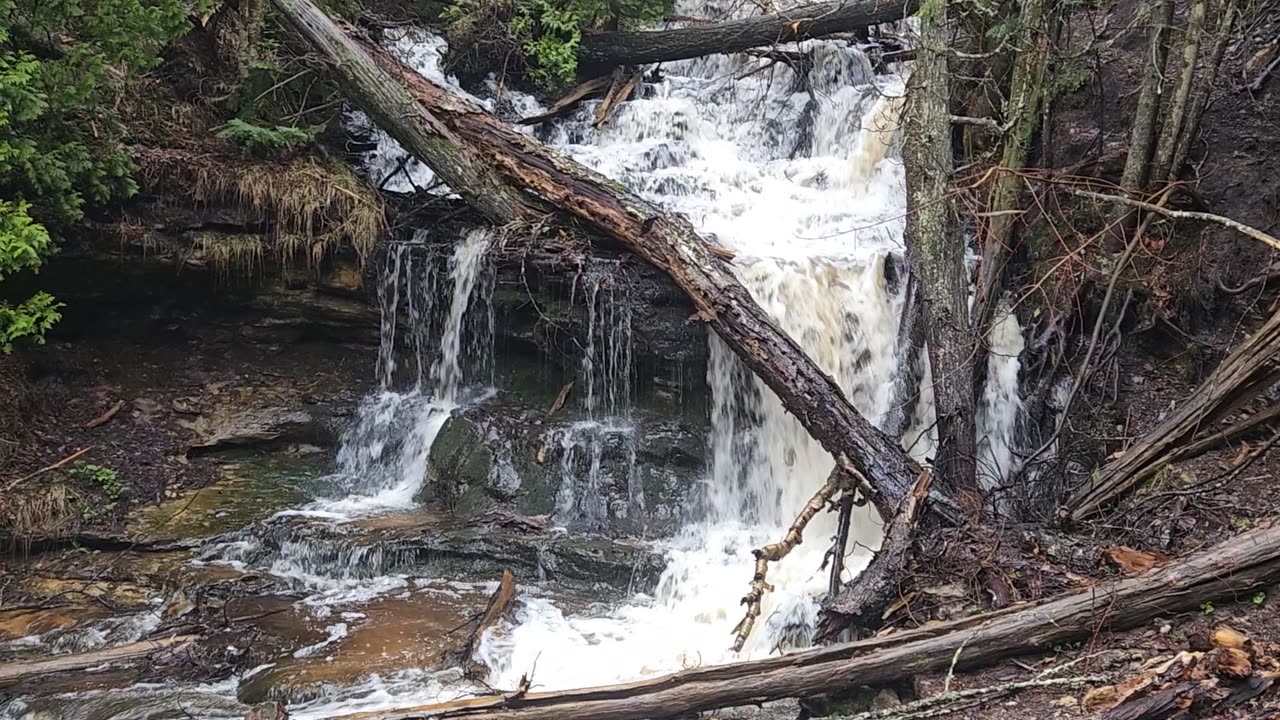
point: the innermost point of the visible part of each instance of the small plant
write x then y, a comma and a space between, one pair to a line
1207, 608
1259, 598
254, 139
104, 478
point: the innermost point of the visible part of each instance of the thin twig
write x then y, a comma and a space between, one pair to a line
48, 468
1239, 227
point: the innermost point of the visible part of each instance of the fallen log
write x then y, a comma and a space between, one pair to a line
863, 603
474, 153
1245, 374
1229, 569
607, 49
17, 672
499, 605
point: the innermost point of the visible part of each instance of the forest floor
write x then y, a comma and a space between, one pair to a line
161, 417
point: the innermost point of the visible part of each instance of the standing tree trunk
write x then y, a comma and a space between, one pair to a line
936, 253
1022, 113
1143, 134
1176, 113
1200, 99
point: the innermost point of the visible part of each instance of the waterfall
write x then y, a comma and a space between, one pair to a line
798, 174
606, 399
383, 454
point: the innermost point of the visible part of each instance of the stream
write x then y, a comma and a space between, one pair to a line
799, 176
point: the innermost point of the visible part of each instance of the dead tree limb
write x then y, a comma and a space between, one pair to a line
1228, 569
603, 50
776, 551
499, 605
1239, 227
476, 155
862, 603
1246, 373
906, 382
17, 672
1217, 438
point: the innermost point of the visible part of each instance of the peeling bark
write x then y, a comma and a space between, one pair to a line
1245, 374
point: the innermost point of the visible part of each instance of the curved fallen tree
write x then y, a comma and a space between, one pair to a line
602, 50
1231, 568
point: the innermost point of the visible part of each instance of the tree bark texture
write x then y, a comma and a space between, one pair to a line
1175, 117
1022, 111
602, 50
1246, 373
1142, 136
906, 382
1200, 99
509, 176
936, 253
1229, 569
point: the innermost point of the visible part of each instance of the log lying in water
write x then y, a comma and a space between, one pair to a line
607, 49
1245, 374
16, 672
478, 155
1228, 569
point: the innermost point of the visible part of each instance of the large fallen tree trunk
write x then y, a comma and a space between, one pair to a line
1229, 569
17, 672
607, 49
476, 154
1245, 374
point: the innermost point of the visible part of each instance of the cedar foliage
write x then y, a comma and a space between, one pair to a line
65, 67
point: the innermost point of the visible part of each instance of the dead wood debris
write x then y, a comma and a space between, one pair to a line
776, 551
105, 417
1233, 671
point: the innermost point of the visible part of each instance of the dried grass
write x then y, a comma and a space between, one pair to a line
42, 512
315, 206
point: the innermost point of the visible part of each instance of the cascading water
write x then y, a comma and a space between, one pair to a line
606, 379
793, 170
383, 455
814, 218
382, 458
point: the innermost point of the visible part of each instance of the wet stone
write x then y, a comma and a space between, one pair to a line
247, 492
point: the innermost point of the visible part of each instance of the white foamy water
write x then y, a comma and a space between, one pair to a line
383, 455
799, 175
